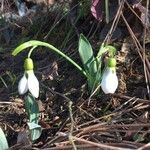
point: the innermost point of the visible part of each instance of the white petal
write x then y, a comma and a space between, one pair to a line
109, 82
23, 86
33, 84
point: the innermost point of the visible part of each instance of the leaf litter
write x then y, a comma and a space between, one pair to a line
116, 122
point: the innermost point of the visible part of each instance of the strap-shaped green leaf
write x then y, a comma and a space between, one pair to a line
3, 141
88, 60
32, 108
35, 130
86, 53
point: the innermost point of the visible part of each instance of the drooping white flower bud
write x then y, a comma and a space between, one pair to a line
29, 80
109, 81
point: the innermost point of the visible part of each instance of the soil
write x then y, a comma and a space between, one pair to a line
114, 121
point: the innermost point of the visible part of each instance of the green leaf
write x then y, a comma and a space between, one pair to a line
3, 141
111, 50
22, 47
35, 130
88, 60
32, 108
92, 75
86, 54
34, 43
104, 49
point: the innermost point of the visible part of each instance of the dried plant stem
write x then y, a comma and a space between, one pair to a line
102, 146
72, 124
133, 98
140, 51
144, 55
115, 22
145, 147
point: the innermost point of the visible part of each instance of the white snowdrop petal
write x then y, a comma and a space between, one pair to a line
23, 86
33, 84
109, 82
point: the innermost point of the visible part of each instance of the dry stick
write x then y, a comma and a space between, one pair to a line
148, 63
101, 130
145, 147
134, 98
71, 117
106, 147
124, 104
119, 125
1, 102
97, 27
139, 47
115, 22
121, 143
115, 113
69, 147
87, 129
133, 11
103, 117
72, 124
113, 126
126, 143
70, 111
123, 111
144, 55
137, 43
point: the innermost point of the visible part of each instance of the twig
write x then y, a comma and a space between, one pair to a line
72, 124
115, 22
69, 147
145, 147
6, 103
133, 98
144, 55
140, 50
99, 144
108, 127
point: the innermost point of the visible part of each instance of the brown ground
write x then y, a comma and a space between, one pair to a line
115, 122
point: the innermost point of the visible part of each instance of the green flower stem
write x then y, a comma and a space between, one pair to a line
31, 50
35, 43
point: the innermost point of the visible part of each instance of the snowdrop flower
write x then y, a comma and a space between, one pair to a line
109, 81
29, 80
